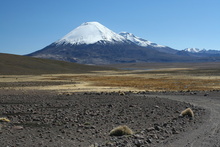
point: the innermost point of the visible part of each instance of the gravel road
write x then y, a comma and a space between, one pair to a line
208, 134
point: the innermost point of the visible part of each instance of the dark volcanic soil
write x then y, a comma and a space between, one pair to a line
85, 119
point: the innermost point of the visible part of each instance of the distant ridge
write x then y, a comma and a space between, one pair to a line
192, 50
203, 51
148, 44
23, 65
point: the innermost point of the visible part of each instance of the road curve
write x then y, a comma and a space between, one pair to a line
208, 134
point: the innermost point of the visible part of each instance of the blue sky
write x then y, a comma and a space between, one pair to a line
30, 25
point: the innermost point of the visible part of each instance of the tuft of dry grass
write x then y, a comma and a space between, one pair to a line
121, 130
3, 119
187, 112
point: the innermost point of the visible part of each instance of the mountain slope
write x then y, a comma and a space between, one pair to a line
145, 43
139, 41
20, 65
104, 54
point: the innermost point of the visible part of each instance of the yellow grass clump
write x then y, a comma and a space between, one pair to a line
188, 112
3, 119
121, 130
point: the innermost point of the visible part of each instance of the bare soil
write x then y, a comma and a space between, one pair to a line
45, 118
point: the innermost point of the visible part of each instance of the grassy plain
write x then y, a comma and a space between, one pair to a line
161, 79
27, 73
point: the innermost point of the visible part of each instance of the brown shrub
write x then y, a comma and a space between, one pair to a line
188, 112
121, 130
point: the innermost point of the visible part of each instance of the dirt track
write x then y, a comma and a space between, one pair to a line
207, 135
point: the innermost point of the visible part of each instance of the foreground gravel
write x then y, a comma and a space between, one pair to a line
48, 119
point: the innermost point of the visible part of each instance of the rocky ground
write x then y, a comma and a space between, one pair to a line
46, 119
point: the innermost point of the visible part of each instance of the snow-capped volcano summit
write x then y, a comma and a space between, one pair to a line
89, 33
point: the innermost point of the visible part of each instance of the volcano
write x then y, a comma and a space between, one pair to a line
93, 43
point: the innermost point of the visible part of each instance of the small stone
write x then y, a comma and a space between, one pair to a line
109, 144
149, 140
59, 136
18, 127
79, 130
138, 142
206, 94
156, 106
17, 144
137, 136
158, 128
154, 136
92, 127
94, 145
150, 129
174, 131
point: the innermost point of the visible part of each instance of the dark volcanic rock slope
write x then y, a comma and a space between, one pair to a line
106, 53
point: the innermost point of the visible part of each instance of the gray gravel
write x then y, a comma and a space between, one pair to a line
85, 119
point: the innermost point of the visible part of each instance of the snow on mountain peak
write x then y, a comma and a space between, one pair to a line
89, 33
192, 50
139, 41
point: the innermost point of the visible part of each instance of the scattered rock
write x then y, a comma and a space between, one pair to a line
206, 94
156, 106
149, 140
18, 127
137, 136
150, 129
94, 145
174, 131
157, 127
138, 142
